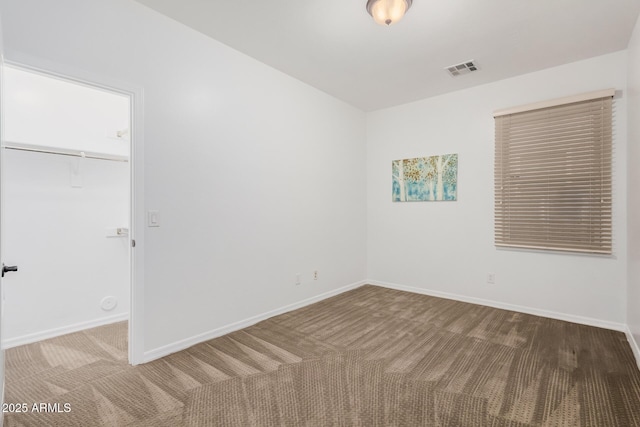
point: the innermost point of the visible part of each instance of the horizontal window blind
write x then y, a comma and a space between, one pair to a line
553, 177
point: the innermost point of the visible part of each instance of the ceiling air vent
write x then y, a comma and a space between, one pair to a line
462, 68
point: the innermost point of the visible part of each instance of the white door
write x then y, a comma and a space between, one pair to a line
1, 258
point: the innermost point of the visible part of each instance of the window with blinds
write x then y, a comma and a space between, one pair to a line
553, 175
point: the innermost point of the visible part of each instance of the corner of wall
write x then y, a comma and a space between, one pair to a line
635, 348
633, 198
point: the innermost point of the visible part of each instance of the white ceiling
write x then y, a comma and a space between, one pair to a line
335, 46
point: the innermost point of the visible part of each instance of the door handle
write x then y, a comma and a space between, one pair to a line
6, 268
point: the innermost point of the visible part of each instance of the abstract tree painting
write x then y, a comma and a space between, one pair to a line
425, 178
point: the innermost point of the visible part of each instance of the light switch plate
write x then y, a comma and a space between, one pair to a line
153, 219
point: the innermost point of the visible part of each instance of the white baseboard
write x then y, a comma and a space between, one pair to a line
196, 339
55, 332
506, 306
634, 345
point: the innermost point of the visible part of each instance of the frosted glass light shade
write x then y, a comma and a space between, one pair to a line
387, 12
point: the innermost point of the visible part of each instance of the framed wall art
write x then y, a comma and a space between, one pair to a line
425, 178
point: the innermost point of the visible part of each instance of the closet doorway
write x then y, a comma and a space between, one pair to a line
66, 208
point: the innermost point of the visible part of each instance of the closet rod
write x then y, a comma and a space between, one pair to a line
71, 153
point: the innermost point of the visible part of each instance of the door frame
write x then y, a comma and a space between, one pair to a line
136, 181
2, 362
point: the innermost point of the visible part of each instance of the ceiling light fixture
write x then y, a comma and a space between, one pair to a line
387, 12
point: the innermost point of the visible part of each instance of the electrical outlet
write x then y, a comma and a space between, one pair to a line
298, 281
491, 278
315, 275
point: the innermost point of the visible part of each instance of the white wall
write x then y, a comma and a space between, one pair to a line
58, 208
447, 247
50, 112
256, 176
633, 160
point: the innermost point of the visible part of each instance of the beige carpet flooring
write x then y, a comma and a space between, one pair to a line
368, 357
